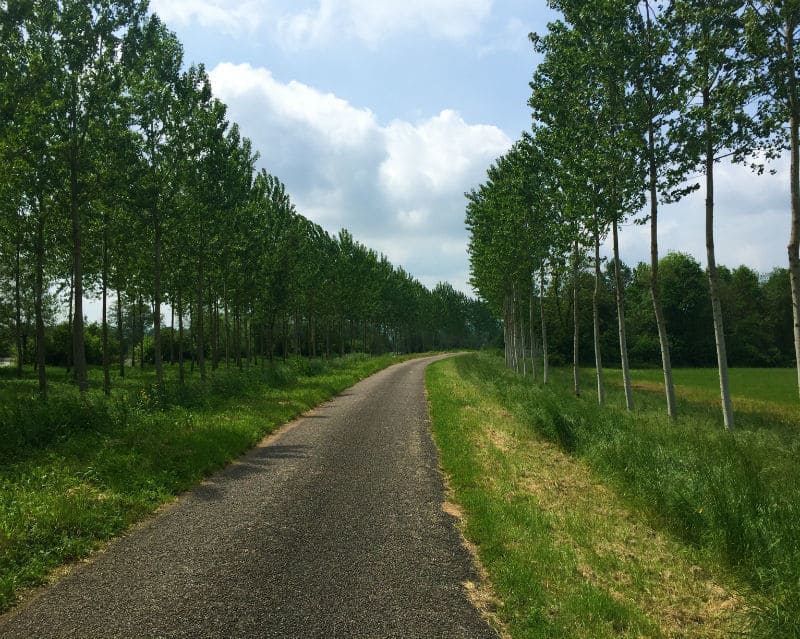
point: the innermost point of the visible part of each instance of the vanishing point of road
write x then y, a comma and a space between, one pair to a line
332, 529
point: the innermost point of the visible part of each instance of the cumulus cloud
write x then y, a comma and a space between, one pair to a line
295, 104
370, 21
398, 187
436, 155
751, 216
229, 16
367, 21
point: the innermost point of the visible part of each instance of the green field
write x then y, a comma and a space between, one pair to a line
775, 385
593, 522
76, 471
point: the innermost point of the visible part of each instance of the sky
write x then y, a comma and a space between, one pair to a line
379, 115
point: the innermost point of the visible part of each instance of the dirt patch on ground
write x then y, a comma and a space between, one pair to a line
481, 595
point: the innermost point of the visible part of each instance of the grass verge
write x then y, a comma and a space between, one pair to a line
77, 471
595, 523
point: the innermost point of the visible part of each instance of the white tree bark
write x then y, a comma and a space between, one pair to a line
598, 361
623, 340
713, 280
544, 327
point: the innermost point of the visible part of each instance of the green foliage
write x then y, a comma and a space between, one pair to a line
123, 179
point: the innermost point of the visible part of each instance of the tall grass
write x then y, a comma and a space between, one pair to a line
78, 470
736, 496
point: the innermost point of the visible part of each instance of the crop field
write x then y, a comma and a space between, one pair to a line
771, 385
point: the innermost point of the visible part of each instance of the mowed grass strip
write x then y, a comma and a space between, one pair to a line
565, 554
77, 471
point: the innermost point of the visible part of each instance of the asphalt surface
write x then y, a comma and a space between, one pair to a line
332, 529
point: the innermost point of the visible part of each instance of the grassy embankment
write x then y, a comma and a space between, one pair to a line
595, 523
75, 472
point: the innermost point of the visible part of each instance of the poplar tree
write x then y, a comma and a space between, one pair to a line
773, 29
87, 69
716, 80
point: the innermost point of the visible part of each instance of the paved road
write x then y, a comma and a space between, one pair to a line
334, 529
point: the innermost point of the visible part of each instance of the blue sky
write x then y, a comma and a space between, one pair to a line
379, 114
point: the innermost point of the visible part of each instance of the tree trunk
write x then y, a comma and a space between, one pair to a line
237, 336
157, 301
507, 331
141, 337
38, 294
134, 328
78, 345
285, 336
199, 331
312, 347
171, 332
120, 333
530, 326
18, 308
598, 362
623, 340
213, 329
522, 337
192, 340
69, 320
794, 185
247, 327
271, 336
181, 372
576, 377
227, 326
545, 362
655, 293
514, 331
713, 279
106, 356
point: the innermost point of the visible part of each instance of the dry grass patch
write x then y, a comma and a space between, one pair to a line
620, 553
616, 550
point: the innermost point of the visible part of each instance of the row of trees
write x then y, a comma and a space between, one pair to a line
632, 102
442, 319
121, 177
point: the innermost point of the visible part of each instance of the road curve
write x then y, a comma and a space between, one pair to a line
332, 529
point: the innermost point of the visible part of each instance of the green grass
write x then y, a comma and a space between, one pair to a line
77, 471
728, 503
774, 385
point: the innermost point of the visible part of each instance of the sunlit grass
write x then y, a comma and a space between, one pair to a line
559, 491
775, 385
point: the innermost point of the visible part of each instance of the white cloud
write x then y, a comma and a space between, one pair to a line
229, 16
399, 188
371, 21
326, 21
751, 215
321, 114
438, 155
